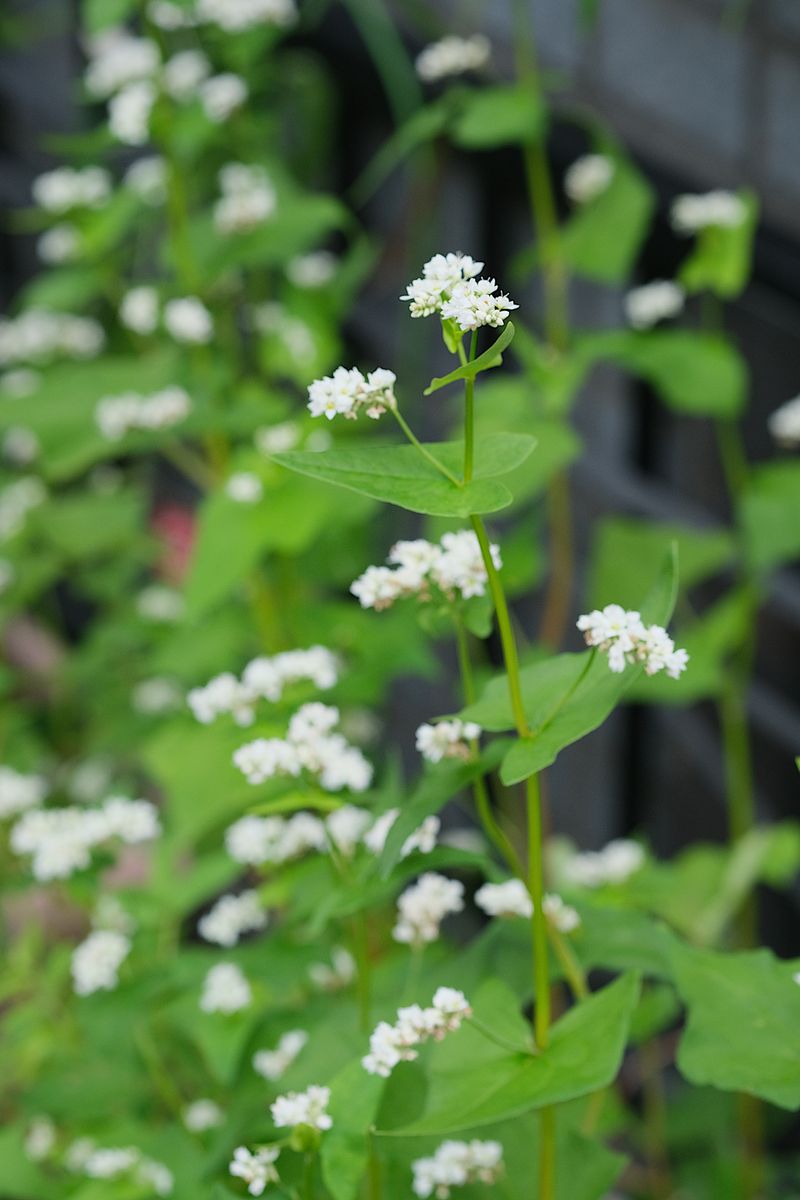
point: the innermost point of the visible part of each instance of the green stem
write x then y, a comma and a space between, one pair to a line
571, 967
541, 975
547, 1153
491, 828
469, 414
363, 971
424, 451
507, 640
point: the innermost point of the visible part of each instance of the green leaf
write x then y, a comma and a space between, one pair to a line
355, 1098
583, 1055
423, 126
400, 475
492, 357
721, 259
742, 1023
99, 14
602, 239
497, 116
698, 374
769, 515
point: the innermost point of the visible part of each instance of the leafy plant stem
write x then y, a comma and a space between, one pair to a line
469, 414
569, 963
363, 971
432, 459
493, 831
654, 1111
562, 562
539, 919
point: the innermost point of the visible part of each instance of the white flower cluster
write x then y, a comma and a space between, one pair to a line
147, 178
312, 270
622, 635
18, 500
160, 604
447, 739
296, 336
247, 198
39, 334
117, 59
116, 416
256, 1170
512, 899
422, 839
243, 487
221, 95
615, 863
784, 423
40, 1139
116, 1162
303, 1108
455, 566
226, 989
588, 177
310, 745
21, 382
263, 678
188, 320
653, 302
422, 908
691, 213
232, 916
152, 697
392, 1044
138, 310
271, 1064
340, 972
19, 792
202, 1115
58, 245
66, 188
20, 446
346, 393
257, 840
234, 16
448, 286
96, 961
456, 1164
452, 56
129, 112
60, 840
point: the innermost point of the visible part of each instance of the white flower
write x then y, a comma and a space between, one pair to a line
188, 320
588, 177
96, 961
621, 634
646, 306
58, 245
160, 604
66, 188
234, 16
447, 739
455, 567
303, 1108
422, 839
225, 989
222, 95
222, 694
309, 746
346, 827
338, 974
564, 918
274, 1063
257, 840
392, 1044
157, 1175
19, 792
784, 423
147, 177
509, 899
257, 1170
116, 416
17, 500
348, 392
168, 16
263, 678
40, 1139
139, 310
247, 200
182, 74
20, 446
129, 112
22, 382
274, 439
312, 270
615, 863
111, 1162
422, 908
117, 59
38, 334
244, 487
452, 56
152, 697
133, 821
440, 275
78, 1154
473, 304
691, 213
232, 916
201, 1115
455, 1164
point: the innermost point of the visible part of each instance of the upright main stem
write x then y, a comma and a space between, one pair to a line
469, 414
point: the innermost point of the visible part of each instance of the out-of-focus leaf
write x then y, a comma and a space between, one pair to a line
769, 514
497, 116
721, 259
603, 237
